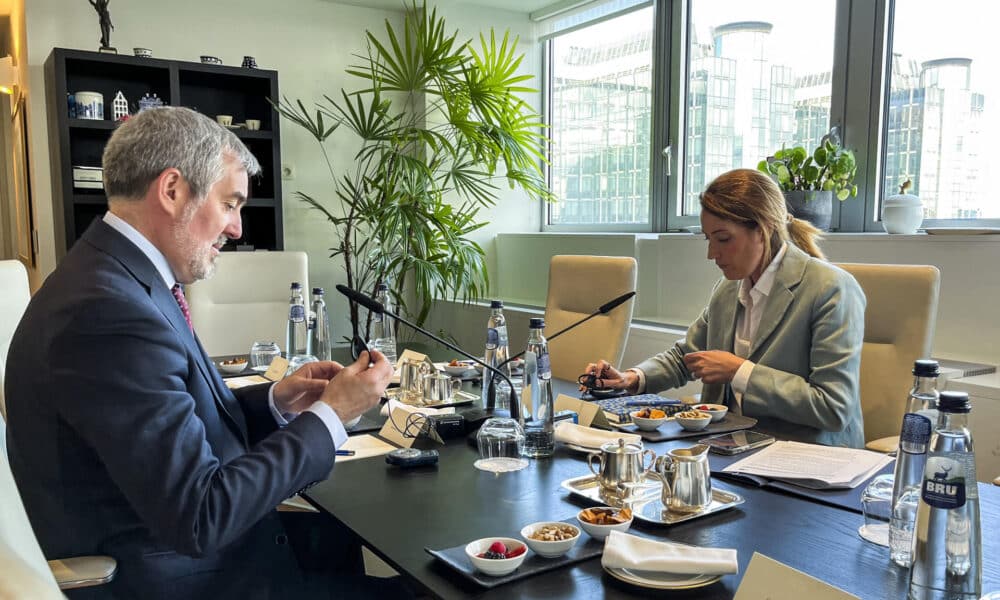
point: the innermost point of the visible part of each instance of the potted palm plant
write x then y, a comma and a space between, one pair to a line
441, 125
811, 181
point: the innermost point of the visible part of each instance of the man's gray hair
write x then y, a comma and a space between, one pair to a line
170, 137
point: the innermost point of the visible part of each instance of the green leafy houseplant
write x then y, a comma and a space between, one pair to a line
829, 168
441, 125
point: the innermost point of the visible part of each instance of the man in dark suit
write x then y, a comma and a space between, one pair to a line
123, 439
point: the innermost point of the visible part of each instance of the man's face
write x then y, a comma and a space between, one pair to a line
204, 228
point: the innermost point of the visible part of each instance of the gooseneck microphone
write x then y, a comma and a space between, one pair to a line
603, 310
377, 307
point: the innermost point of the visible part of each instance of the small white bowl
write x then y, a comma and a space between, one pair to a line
599, 532
494, 566
549, 549
694, 424
645, 423
458, 371
718, 411
232, 368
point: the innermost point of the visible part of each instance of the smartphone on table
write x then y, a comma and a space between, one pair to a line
736, 442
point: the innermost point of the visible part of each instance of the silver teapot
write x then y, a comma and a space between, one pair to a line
687, 480
620, 464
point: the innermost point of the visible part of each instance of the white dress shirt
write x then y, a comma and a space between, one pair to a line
319, 408
753, 297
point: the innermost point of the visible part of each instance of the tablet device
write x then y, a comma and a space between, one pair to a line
737, 441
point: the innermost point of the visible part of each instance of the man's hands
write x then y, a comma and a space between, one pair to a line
358, 386
713, 366
609, 377
298, 391
349, 390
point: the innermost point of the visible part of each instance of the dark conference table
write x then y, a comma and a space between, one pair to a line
396, 513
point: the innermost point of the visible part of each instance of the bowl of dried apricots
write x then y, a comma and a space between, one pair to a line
599, 521
648, 419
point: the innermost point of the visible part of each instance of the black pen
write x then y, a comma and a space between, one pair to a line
345, 452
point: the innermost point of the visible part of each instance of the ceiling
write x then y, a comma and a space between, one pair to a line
522, 6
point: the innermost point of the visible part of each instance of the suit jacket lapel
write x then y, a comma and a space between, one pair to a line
726, 312
107, 239
786, 279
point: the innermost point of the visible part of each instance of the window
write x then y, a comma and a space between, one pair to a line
907, 83
937, 117
758, 79
600, 123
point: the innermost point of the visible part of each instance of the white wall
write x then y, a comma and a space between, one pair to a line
675, 280
309, 42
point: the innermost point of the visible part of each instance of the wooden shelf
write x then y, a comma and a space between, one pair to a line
210, 89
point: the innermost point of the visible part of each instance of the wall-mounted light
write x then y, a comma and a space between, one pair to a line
8, 75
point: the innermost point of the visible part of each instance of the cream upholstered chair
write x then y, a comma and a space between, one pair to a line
578, 285
14, 297
246, 300
899, 327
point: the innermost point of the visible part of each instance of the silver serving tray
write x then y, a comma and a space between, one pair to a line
644, 499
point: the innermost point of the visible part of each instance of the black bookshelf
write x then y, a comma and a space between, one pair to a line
209, 89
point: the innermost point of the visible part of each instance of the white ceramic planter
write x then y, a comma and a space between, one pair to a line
902, 213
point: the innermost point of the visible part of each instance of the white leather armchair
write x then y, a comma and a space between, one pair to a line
246, 300
577, 286
25, 572
14, 297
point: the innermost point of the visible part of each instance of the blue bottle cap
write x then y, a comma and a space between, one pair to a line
496, 304
536, 323
296, 285
317, 291
381, 287
954, 402
925, 368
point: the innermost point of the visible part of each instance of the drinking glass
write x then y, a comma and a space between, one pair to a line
298, 360
261, 355
876, 504
500, 443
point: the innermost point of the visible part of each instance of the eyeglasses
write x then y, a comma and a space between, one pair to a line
358, 346
588, 380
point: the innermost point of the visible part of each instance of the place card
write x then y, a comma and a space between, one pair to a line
589, 414
235, 383
768, 579
278, 368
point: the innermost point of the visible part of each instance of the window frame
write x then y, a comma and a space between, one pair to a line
859, 97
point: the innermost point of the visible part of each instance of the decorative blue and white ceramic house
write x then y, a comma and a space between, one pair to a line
119, 107
149, 101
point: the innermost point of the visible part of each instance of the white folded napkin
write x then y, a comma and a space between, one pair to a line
588, 437
626, 551
424, 410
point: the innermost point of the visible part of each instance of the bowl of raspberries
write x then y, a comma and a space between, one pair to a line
496, 555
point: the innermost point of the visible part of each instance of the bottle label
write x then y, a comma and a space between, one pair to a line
544, 369
502, 335
944, 483
297, 313
916, 429
492, 337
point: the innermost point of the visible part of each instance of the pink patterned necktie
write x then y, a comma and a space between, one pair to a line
182, 302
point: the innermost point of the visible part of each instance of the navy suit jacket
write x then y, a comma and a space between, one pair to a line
124, 440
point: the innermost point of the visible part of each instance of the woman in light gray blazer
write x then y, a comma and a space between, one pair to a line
780, 339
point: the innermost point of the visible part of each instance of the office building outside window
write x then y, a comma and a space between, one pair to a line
758, 79
600, 117
942, 78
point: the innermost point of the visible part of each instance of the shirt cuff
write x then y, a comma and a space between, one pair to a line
329, 417
321, 409
280, 418
742, 377
642, 380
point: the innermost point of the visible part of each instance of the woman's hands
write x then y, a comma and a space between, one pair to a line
713, 366
606, 376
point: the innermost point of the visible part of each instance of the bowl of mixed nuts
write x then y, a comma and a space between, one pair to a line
550, 539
